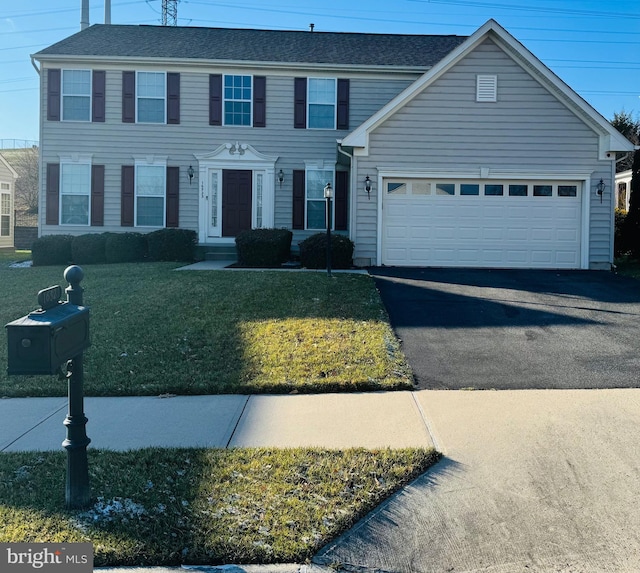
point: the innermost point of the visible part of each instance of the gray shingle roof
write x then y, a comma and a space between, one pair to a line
256, 45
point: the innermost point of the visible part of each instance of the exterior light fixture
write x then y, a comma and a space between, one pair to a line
600, 187
280, 177
328, 193
367, 186
190, 173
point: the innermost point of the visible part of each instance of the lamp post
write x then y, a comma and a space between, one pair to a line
328, 193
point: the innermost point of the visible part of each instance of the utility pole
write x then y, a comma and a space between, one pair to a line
170, 12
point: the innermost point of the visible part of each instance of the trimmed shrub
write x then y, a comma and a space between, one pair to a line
172, 245
51, 250
264, 247
88, 249
125, 247
621, 242
313, 251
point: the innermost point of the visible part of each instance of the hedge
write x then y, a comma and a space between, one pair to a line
51, 250
263, 247
313, 252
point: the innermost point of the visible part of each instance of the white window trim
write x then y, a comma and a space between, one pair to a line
335, 102
320, 166
8, 194
151, 161
74, 159
225, 100
63, 95
486, 88
139, 97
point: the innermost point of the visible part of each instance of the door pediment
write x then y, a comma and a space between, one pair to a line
236, 152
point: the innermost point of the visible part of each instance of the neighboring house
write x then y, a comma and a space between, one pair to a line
475, 154
623, 189
8, 178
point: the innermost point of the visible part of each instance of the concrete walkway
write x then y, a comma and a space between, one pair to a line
532, 480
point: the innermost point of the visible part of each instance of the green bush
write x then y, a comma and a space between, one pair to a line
621, 242
89, 249
313, 251
172, 245
125, 247
51, 250
264, 247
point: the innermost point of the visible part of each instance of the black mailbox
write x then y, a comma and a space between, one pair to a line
42, 341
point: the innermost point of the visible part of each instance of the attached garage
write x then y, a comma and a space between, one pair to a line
507, 223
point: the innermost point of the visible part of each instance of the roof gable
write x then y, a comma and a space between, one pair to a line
13, 172
610, 138
260, 46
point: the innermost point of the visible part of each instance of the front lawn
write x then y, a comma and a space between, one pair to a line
198, 506
157, 331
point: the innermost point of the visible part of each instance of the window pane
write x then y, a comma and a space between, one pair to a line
493, 189
150, 212
322, 90
237, 113
568, 190
445, 188
397, 188
76, 82
5, 204
75, 108
237, 95
74, 210
151, 84
316, 215
542, 190
321, 116
517, 190
7, 186
76, 179
150, 110
420, 188
316, 181
5, 227
469, 189
150, 180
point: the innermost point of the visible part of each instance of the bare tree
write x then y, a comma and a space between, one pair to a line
26, 163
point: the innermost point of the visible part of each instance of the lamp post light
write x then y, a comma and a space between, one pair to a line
328, 193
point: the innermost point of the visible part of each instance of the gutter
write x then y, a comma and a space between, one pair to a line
33, 63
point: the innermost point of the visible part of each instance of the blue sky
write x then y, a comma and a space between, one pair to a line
593, 45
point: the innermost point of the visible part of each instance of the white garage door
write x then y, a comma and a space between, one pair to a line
502, 224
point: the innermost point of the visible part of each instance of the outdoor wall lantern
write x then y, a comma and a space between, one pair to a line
280, 177
367, 186
600, 189
190, 173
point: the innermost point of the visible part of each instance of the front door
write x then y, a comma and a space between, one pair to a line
236, 201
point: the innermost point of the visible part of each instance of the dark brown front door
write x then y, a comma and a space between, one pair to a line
236, 202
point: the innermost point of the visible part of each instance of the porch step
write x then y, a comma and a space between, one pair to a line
221, 253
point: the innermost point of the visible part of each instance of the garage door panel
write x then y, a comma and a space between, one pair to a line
482, 231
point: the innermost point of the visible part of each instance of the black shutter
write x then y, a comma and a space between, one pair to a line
298, 198
98, 87
173, 196
173, 98
128, 97
53, 94
300, 103
127, 196
53, 193
215, 99
259, 101
97, 195
342, 193
343, 104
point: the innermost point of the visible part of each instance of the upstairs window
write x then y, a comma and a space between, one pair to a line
237, 100
76, 95
151, 95
321, 103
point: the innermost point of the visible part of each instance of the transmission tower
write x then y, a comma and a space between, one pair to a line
170, 12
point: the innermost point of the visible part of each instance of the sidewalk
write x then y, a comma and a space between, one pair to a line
370, 420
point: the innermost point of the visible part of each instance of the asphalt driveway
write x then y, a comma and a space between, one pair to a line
515, 329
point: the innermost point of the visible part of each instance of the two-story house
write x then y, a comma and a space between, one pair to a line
442, 150
8, 178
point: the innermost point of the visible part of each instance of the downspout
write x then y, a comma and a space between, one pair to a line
352, 186
40, 165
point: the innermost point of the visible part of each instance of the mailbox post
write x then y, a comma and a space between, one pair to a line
46, 340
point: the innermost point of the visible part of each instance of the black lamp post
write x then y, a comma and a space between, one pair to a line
328, 193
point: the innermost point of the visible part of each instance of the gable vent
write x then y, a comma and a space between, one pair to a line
486, 88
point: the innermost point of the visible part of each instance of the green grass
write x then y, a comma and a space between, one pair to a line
156, 331
197, 506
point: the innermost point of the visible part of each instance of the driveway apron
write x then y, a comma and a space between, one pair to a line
531, 481
509, 329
